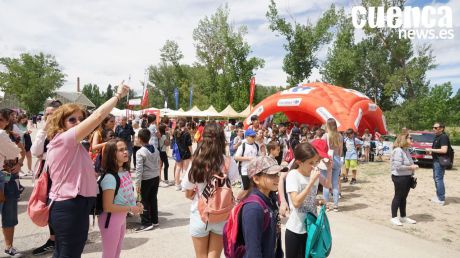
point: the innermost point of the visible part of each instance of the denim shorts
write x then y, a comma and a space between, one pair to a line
198, 227
10, 206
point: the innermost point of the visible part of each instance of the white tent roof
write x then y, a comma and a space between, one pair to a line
195, 111
117, 112
211, 111
229, 112
245, 113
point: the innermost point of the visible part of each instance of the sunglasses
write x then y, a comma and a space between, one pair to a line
435, 127
73, 120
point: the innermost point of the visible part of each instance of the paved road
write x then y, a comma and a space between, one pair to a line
352, 237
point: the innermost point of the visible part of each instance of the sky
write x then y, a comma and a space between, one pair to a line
106, 42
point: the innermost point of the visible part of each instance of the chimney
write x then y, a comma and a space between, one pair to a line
78, 84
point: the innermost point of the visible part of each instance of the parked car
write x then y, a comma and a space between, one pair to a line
421, 140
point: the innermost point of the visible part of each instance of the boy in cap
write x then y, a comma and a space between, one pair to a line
246, 152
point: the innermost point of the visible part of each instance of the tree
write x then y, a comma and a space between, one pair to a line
109, 92
224, 54
303, 42
382, 66
31, 78
421, 113
94, 94
407, 75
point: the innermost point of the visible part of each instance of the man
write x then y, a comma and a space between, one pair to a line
154, 134
441, 146
246, 152
144, 121
126, 132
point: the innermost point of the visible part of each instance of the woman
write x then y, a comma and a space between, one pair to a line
402, 170
26, 141
367, 137
73, 189
137, 145
97, 138
335, 143
207, 238
261, 143
163, 142
184, 142
9, 168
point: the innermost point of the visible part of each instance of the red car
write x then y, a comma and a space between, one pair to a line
420, 141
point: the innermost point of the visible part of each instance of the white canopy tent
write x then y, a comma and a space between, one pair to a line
211, 112
194, 112
229, 112
245, 113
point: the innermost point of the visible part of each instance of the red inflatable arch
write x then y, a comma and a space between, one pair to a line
314, 103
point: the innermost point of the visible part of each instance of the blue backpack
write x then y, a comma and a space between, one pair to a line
319, 240
175, 151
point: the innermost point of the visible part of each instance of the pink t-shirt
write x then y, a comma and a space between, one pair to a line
68, 159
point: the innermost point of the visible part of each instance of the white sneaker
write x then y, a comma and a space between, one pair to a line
178, 187
396, 221
407, 220
163, 184
437, 201
170, 183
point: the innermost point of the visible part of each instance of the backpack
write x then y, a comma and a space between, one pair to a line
216, 201
319, 238
242, 154
37, 208
197, 136
234, 244
175, 151
289, 155
168, 140
98, 207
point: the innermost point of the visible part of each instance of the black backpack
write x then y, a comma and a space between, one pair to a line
242, 155
98, 206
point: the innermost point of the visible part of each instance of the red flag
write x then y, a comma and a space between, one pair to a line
145, 99
251, 90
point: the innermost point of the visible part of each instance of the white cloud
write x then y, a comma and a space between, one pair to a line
104, 42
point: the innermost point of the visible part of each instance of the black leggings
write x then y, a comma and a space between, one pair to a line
164, 159
149, 192
135, 149
402, 187
295, 244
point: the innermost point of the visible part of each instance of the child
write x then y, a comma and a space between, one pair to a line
274, 149
264, 174
115, 163
302, 186
246, 152
351, 156
379, 148
210, 154
148, 180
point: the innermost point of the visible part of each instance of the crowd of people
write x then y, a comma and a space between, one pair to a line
279, 169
